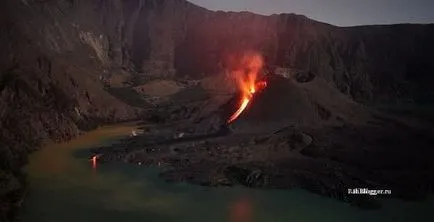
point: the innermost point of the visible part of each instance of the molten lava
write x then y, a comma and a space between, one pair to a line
242, 107
246, 76
94, 162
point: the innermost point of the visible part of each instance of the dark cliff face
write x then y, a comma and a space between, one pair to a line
373, 64
370, 63
174, 37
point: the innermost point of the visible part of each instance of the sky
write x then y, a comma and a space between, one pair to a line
336, 12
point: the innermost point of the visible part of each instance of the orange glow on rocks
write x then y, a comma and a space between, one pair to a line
246, 75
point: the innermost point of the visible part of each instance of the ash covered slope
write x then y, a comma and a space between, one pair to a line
313, 104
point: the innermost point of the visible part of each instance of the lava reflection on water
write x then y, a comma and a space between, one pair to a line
94, 162
241, 211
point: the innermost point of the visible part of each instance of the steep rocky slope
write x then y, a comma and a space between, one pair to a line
50, 87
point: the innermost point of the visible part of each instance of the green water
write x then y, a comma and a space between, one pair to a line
64, 187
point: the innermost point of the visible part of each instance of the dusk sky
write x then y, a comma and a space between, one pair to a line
336, 12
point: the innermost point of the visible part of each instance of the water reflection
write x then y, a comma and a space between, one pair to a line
241, 210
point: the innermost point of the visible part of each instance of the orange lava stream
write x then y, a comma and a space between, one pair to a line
247, 97
243, 106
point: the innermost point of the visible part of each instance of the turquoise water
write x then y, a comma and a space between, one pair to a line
64, 187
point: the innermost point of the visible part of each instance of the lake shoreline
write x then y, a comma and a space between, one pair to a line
234, 159
13, 201
129, 192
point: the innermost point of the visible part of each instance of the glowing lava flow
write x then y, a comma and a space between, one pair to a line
94, 162
251, 64
246, 98
243, 106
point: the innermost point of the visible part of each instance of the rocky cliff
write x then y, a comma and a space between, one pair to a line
177, 38
51, 65
370, 63
54, 54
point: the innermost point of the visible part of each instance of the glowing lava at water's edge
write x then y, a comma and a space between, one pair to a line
246, 75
